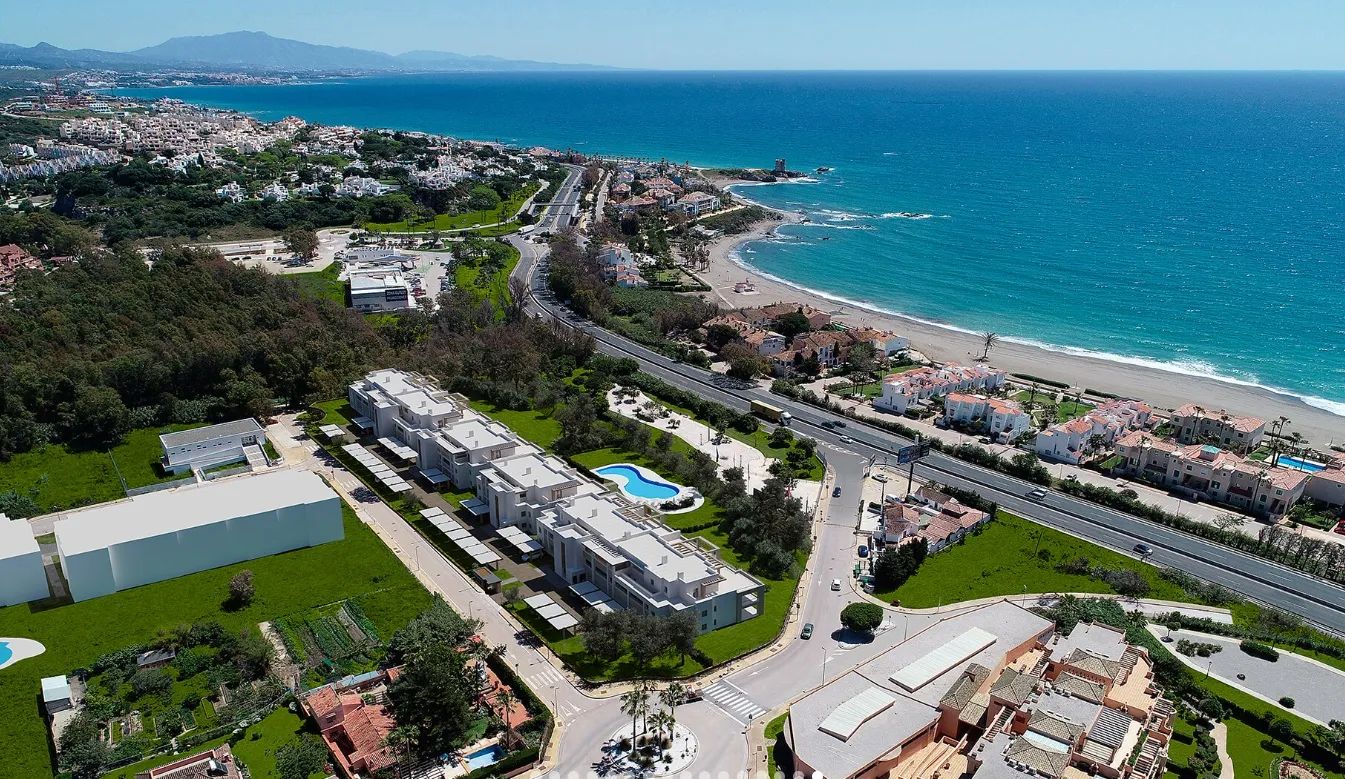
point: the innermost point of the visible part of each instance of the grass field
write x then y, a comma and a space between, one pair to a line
77, 634
509, 208
1003, 560
1065, 410
322, 284
58, 478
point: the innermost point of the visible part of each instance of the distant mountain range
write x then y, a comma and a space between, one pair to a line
257, 51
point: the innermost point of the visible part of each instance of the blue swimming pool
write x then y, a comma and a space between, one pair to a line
1285, 461
484, 757
638, 482
5, 652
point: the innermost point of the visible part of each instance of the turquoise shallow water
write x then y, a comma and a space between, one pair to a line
1191, 221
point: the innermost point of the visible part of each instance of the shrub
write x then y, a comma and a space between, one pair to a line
1287, 702
862, 617
1257, 649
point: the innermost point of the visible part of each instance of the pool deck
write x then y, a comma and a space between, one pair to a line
647, 475
21, 649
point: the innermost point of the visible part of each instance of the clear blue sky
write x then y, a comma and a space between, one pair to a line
747, 34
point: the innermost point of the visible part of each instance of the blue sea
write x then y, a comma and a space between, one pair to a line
1186, 220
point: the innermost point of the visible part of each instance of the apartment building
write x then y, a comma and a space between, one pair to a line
1071, 440
642, 564
397, 404
991, 693
1004, 420
1196, 425
902, 391
1210, 473
22, 575
461, 449
515, 490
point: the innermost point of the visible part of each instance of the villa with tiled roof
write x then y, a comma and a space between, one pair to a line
1195, 424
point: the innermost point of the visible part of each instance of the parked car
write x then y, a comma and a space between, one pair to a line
863, 550
693, 694
807, 631
1037, 494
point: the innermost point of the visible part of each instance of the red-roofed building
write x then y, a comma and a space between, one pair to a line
355, 731
1196, 425
1327, 487
217, 763
1004, 420
1210, 473
12, 260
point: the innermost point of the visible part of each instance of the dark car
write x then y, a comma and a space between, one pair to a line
807, 631
836, 493
1144, 550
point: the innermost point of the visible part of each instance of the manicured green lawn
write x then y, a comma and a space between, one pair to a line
322, 284
727, 643
1180, 748
538, 427
338, 411
706, 513
77, 634
256, 749
1003, 560
1065, 410
460, 221
59, 478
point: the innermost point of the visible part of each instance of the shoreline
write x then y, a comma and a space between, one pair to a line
1161, 388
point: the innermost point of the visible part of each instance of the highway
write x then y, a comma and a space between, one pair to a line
1316, 600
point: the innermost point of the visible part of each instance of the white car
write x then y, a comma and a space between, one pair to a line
835, 585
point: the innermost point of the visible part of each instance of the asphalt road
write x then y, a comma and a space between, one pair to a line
1318, 601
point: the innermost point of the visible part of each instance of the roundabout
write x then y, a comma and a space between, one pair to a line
669, 754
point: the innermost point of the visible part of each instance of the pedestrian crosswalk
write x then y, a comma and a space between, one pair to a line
733, 700
543, 677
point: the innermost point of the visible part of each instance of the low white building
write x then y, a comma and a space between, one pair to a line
22, 577
379, 289
1069, 441
206, 447
163, 535
643, 565
401, 405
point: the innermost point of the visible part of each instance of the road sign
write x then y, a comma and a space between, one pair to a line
909, 454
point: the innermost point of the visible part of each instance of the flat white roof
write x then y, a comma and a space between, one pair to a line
16, 538
171, 511
533, 470
846, 718
198, 434
937, 661
473, 432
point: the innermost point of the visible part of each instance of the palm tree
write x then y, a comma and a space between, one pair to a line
674, 694
505, 701
635, 704
658, 721
988, 340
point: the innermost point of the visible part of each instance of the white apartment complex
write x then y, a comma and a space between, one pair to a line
644, 565
1069, 441
1004, 419
904, 390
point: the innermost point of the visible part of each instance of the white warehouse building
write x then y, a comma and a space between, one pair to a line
22, 577
162, 535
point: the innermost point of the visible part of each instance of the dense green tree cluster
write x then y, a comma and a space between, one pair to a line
646, 636
90, 350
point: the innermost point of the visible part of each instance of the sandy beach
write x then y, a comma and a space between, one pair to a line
1162, 389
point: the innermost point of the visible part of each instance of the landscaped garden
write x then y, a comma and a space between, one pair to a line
57, 477
76, 635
